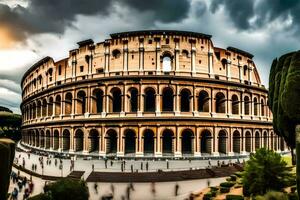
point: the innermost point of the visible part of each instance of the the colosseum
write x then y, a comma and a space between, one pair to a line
148, 94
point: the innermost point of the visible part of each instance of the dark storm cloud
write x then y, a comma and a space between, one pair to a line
163, 10
262, 11
54, 16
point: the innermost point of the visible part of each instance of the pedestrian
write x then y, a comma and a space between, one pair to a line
26, 194
93, 167
96, 188
141, 165
208, 183
14, 194
112, 188
122, 167
147, 166
105, 162
153, 191
168, 164
131, 168
128, 193
176, 189
111, 163
31, 186
131, 186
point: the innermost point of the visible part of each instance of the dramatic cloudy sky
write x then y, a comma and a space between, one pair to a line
32, 29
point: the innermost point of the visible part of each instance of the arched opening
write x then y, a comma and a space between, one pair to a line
116, 53
97, 101
203, 102
185, 53
129, 142
222, 142
42, 136
224, 63
187, 142
257, 141
37, 144
235, 104
39, 106
34, 110
150, 102
245, 70
50, 106
236, 141
116, 100
133, 100
56, 140
265, 140
262, 104
185, 98
94, 141
57, 105
248, 141
44, 108
66, 140
148, 142
48, 139
247, 105
81, 102
167, 142
220, 102
79, 140
111, 141
167, 63
206, 142
168, 99
255, 106
68, 103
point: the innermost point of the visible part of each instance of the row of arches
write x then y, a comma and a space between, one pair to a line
167, 143
115, 101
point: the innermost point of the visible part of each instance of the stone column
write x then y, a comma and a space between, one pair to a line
140, 101
124, 102
210, 61
120, 146
240, 73
177, 52
158, 70
139, 150
141, 55
250, 70
197, 143
193, 61
158, 152
158, 107
106, 57
228, 70
178, 141
125, 57
177, 101
216, 142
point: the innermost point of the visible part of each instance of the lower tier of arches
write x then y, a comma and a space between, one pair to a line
153, 140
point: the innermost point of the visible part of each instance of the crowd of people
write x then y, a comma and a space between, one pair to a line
21, 183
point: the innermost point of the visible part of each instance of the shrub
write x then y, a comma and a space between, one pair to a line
68, 189
40, 197
272, 195
214, 193
234, 197
224, 189
239, 174
207, 196
265, 171
227, 184
214, 189
293, 196
233, 177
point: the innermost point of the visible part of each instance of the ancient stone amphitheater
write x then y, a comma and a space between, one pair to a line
148, 94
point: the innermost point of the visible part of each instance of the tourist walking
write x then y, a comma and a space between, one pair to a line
153, 191
176, 189
147, 166
14, 194
96, 188
112, 188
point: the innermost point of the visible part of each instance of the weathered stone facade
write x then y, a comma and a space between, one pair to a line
148, 93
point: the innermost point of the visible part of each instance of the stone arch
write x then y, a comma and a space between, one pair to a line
150, 102
66, 140
48, 137
81, 102
55, 139
148, 141
39, 106
255, 103
34, 110
168, 99
262, 104
68, 103
203, 101
167, 142
246, 105
206, 142
235, 104
42, 136
187, 144
222, 142
130, 141
266, 138
116, 103
185, 100
167, 60
44, 107
111, 141
50, 106
257, 140
133, 99
220, 103
79, 140
236, 141
94, 140
248, 141
116, 53
97, 101
57, 105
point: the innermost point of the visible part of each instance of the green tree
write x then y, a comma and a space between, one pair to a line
284, 95
67, 188
265, 171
